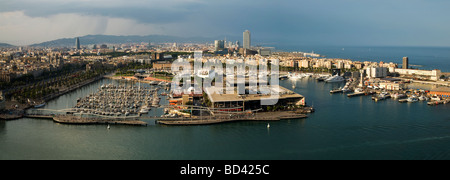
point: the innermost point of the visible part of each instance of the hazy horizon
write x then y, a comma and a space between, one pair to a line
414, 23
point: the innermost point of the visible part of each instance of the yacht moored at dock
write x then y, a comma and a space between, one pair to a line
335, 78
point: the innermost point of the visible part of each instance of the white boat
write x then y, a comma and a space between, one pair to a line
423, 98
283, 77
322, 78
295, 76
413, 99
144, 110
40, 105
359, 90
335, 78
435, 98
346, 90
383, 95
398, 96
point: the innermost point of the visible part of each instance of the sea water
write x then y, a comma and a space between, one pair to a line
341, 128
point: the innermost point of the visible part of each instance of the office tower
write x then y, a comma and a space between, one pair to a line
219, 45
238, 44
247, 40
77, 43
405, 63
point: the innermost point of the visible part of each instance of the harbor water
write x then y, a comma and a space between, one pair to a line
426, 58
341, 128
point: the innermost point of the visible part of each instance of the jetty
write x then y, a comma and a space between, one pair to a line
70, 119
434, 103
264, 116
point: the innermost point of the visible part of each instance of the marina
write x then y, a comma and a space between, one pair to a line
129, 104
118, 101
206, 80
320, 136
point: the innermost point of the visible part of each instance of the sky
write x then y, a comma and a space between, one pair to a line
302, 22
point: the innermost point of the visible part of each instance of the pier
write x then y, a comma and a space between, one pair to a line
434, 103
69, 119
264, 116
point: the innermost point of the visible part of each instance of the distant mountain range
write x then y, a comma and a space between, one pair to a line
6, 45
111, 39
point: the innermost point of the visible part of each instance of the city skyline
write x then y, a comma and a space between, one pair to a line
324, 22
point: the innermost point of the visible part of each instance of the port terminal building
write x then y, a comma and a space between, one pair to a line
253, 98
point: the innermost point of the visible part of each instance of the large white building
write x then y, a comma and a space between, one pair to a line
433, 75
376, 72
304, 63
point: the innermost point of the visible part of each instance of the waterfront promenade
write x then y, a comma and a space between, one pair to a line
16, 110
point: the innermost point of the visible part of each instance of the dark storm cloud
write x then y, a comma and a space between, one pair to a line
141, 11
352, 22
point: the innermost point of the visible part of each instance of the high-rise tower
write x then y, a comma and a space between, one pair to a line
77, 43
405, 63
219, 45
247, 40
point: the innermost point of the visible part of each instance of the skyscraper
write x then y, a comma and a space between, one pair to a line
77, 43
247, 40
219, 45
405, 63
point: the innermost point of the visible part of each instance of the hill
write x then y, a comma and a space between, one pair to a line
6, 45
111, 39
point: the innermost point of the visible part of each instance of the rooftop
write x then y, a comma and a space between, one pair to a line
217, 95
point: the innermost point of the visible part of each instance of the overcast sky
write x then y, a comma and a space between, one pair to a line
318, 22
